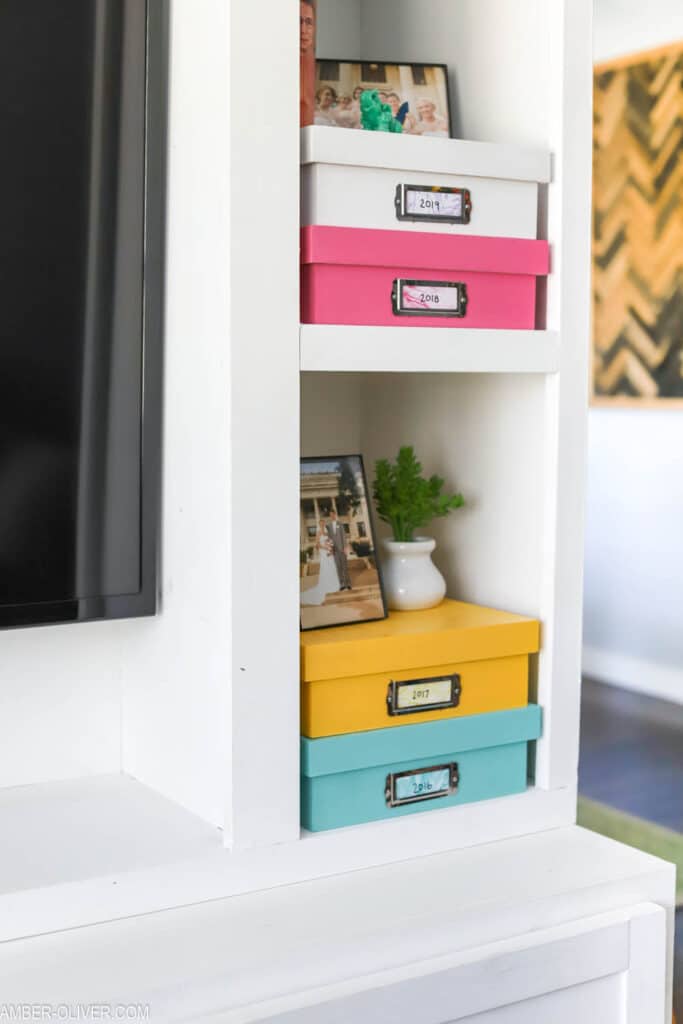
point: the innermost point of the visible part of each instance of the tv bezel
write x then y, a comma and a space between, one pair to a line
145, 601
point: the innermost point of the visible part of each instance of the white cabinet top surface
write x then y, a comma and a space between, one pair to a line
234, 952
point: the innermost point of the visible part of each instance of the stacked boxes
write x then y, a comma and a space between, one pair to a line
401, 231
421, 711
427, 709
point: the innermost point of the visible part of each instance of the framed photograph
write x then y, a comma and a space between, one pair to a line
417, 94
341, 582
307, 29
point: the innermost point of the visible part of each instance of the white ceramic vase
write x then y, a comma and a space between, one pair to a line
411, 580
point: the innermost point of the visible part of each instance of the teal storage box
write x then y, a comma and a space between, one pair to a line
386, 773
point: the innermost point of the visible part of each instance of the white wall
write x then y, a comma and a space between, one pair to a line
628, 26
459, 34
150, 696
455, 35
634, 529
338, 29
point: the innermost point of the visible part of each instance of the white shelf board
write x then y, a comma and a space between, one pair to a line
84, 851
338, 349
415, 153
59, 833
225, 955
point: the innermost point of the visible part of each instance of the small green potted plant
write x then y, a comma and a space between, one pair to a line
407, 501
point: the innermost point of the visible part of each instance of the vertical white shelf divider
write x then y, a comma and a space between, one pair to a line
264, 369
569, 212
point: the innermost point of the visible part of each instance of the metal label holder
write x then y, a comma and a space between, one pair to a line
390, 790
431, 192
395, 687
397, 299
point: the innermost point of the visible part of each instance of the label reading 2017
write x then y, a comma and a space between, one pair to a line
424, 695
413, 696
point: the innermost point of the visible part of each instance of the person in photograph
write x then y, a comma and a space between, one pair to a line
325, 106
401, 111
340, 550
344, 113
328, 578
355, 105
428, 121
306, 61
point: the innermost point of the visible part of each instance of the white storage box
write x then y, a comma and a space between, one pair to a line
362, 179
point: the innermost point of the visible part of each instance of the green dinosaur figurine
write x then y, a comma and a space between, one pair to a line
376, 116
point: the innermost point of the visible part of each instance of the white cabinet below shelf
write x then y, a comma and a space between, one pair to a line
564, 926
608, 967
345, 349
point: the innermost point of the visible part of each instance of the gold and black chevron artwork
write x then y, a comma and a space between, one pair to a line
638, 228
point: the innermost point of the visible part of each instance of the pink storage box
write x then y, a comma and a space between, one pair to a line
395, 278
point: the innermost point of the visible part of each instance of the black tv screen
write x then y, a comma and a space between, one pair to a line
82, 113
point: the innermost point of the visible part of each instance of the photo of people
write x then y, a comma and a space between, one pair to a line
340, 579
416, 93
307, 18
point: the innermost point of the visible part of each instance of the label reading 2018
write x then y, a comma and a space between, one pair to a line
429, 298
419, 297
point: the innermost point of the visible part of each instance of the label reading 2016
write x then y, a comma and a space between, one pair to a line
421, 784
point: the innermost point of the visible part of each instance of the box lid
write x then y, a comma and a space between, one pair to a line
452, 632
405, 153
354, 751
422, 250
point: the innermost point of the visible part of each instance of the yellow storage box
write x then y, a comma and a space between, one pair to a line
453, 660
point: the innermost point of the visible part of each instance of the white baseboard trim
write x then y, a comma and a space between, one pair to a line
639, 674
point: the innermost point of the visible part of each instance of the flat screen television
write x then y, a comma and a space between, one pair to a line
82, 197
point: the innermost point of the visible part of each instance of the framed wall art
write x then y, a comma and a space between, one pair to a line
638, 230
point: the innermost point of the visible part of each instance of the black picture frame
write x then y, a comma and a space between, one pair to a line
380, 597
415, 67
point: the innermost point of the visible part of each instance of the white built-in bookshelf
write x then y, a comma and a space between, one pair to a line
154, 763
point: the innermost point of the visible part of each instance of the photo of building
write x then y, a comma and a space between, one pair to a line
320, 495
339, 576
